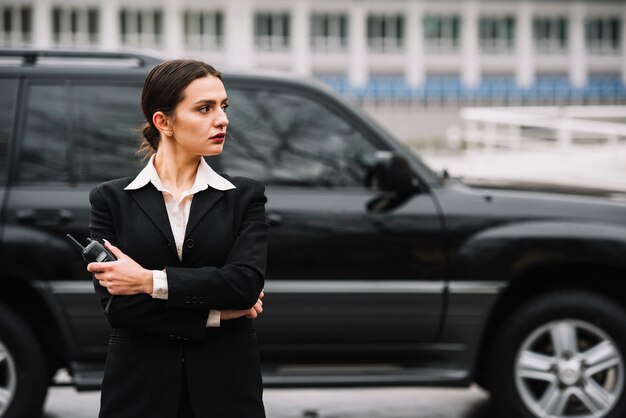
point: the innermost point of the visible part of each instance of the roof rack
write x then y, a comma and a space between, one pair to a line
78, 58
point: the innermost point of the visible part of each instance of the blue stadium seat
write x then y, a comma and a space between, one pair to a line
547, 89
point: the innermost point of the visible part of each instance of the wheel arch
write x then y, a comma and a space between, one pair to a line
537, 281
32, 302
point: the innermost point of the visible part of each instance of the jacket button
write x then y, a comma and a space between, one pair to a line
189, 243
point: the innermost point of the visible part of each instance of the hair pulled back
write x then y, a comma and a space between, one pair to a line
163, 90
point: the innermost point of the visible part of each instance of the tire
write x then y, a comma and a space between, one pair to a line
561, 355
23, 373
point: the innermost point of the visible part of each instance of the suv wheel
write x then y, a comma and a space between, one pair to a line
561, 356
23, 375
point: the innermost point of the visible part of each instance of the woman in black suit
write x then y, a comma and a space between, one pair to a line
191, 256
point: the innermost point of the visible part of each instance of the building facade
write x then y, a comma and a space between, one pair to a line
411, 49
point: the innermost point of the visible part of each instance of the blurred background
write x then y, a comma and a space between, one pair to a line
416, 66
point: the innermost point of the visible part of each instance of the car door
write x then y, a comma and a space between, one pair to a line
74, 134
343, 284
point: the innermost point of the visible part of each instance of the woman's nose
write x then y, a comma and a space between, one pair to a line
221, 120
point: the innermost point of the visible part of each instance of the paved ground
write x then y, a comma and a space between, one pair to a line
322, 403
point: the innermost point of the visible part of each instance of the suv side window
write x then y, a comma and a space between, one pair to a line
79, 133
284, 138
107, 124
43, 154
7, 114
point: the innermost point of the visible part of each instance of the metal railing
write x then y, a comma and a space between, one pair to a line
582, 146
565, 126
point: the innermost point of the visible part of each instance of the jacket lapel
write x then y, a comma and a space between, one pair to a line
151, 202
202, 202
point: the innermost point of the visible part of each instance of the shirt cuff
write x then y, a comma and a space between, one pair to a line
214, 318
159, 284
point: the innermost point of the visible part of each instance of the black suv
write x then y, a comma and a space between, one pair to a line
380, 271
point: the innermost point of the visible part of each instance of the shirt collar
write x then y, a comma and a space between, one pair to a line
205, 177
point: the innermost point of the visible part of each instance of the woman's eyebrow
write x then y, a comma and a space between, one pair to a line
210, 101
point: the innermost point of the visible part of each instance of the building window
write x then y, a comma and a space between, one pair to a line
497, 34
74, 26
603, 35
442, 33
385, 33
141, 28
204, 30
272, 31
16, 26
329, 33
550, 35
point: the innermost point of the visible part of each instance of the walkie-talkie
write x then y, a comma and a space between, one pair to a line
94, 252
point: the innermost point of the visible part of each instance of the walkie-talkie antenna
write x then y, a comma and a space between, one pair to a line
76, 243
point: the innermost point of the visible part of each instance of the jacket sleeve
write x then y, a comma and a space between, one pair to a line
238, 283
140, 312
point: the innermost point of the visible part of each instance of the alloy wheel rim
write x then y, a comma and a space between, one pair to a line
8, 378
569, 368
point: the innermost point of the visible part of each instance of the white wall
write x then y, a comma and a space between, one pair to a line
357, 63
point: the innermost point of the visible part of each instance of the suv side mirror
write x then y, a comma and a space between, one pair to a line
390, 175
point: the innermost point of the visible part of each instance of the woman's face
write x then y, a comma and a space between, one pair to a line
199, 122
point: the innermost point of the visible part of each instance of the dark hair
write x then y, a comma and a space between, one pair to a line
163, 90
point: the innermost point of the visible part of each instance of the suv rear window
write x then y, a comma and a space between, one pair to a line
79, 133
8, 87
107, 123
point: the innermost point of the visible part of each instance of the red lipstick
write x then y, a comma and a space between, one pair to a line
218, 138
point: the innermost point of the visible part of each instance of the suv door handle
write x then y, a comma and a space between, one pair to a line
44, 217
274, 218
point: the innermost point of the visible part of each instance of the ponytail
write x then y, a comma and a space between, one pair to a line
150, 142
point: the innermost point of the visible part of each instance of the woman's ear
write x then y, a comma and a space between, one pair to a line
162, 123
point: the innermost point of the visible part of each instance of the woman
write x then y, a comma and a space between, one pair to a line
191, 256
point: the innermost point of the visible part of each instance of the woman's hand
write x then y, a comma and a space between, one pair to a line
126, 277
250, 313
123, 276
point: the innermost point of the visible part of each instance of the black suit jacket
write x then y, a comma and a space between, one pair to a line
154, 341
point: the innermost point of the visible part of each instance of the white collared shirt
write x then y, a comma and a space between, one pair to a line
178, 214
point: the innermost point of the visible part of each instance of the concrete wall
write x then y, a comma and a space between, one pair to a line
420, 127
